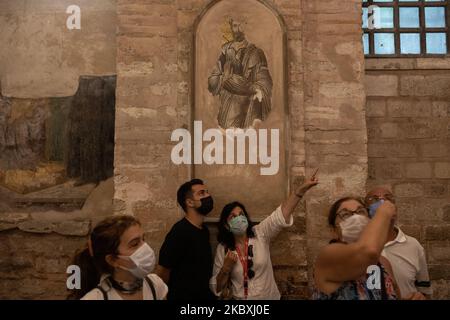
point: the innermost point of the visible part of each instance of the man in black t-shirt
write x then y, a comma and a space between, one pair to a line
185, 258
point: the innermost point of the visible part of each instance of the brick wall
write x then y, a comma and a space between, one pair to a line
37, 245
151, 105
33, 265
408, 113
407, 125
326, 116
40, 58
154, 59
335, 127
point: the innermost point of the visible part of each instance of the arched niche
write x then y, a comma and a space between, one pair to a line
263, 56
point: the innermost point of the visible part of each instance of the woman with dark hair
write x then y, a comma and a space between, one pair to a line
351, 266
116, 264
242, 266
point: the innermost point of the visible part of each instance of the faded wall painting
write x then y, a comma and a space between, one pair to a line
51, 147
239, 84
241, 78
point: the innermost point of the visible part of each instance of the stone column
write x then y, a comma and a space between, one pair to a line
335, 127
146, 113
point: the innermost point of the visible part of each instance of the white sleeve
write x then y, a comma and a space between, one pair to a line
422, 278
94, 294
160, 287
272, 225
218, 264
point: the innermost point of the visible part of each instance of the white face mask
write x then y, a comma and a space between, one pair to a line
352, 227
144, 259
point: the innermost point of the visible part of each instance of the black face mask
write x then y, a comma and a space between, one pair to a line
206, 207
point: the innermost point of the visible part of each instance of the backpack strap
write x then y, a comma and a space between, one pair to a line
105, 294
383, 283
152, 287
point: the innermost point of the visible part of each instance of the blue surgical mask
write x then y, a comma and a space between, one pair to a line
373, 207
238, 225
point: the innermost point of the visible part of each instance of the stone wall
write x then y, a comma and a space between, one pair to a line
36, 247
41, 60
40, 57
33, 266
334, 115
153, 98
408, 113
408, 143
325, 98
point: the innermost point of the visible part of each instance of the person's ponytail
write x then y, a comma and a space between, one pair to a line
90, 276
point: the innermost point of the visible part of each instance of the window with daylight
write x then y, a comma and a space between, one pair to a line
401, 28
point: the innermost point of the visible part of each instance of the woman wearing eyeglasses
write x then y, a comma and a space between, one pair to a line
351, 266
242, 266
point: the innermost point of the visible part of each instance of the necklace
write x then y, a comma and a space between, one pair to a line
127, 287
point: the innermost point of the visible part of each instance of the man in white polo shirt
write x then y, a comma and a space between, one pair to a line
405, 253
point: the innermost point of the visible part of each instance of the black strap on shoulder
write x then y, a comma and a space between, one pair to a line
105, 294
425, 284
383, 284
152, 287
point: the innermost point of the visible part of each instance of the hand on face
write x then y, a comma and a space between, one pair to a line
388, 208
